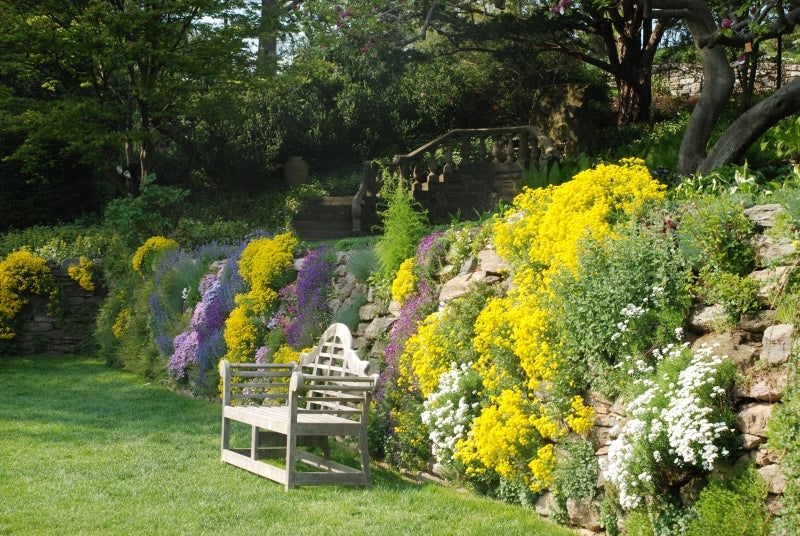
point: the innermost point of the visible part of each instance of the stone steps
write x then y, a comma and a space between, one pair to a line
324, 218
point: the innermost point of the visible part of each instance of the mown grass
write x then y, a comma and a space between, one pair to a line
85, 449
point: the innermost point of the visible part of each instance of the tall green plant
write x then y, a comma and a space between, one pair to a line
404, 224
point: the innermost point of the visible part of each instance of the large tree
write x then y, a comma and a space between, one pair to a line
110, 78
720, 34
616, 37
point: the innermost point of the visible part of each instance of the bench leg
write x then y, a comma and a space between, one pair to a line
254, 443
226, 435
363, 450
291, 464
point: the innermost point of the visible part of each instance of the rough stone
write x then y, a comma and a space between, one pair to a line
492, 263
767, 385
772, 475
583, 514
369, 311
701, 318
545, 503
751, 442
378, 327
764, 456
777, 343
752, 418
469, 265
731, 344
770, 281
764, 215
770, 250
757, 321
459, 285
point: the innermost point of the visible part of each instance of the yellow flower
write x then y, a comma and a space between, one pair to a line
581, 418
145, 258
82, 273
120, 327
404, 282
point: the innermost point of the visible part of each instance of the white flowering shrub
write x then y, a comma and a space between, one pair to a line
449, 411
680, 424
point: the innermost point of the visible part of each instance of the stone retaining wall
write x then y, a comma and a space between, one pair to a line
758, 345
686, 80
39, 332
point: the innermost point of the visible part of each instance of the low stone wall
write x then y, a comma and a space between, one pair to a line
686, 79
37, 331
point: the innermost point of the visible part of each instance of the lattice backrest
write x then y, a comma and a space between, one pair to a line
332, 358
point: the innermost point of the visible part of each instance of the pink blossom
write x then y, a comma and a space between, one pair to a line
726, 23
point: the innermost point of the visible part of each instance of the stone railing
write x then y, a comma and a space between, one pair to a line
462, 172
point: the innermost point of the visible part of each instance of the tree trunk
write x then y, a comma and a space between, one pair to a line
730, 148
718, 80
633, 101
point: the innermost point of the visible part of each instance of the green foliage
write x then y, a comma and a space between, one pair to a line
658, 144
404, 224
739, 498
781, 143
738, 294
784, 439
362, 263
630, 293
349, 315
154, 211
740, 180
58, 243
576, 472
716, 232
558, 172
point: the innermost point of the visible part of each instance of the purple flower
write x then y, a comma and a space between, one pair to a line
184, 356
726, 23
262, 354
311, 290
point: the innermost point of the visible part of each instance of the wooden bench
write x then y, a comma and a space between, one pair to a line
293, 406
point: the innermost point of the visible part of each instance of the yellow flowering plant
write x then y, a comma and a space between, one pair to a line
264, 265
23, 273
519, 357
405, 281
83, 273
146, 256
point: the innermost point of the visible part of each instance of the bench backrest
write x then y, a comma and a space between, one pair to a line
335, 359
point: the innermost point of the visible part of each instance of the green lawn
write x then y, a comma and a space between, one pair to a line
85, 449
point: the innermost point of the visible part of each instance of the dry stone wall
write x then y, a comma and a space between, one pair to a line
37, 331
686, 79
758, 345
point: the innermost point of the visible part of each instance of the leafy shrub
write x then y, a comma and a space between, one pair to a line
737, 294
23, 273
557, 173
155, 210
628, 294
741, 498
